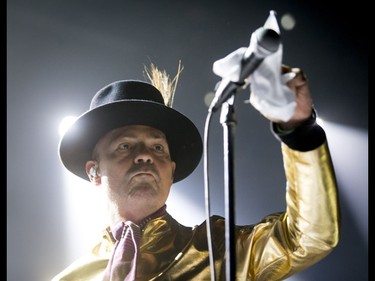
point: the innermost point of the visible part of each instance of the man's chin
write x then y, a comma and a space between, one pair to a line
144, 190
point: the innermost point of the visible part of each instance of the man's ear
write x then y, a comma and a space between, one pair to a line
173, 169
92, 171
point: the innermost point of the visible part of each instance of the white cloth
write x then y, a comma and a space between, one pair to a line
269, 93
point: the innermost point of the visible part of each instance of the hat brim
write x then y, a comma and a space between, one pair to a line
184, 140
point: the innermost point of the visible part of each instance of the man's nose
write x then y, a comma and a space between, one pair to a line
143, 154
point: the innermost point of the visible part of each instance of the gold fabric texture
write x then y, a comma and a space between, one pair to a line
276, 247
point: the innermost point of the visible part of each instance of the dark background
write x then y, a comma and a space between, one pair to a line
59, 53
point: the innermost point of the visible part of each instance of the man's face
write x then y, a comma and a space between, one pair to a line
135, 168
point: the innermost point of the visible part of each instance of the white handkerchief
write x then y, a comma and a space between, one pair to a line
229, 67
269, 93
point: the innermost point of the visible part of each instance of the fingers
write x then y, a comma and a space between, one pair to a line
293, 76
286, 77
293, 72
300, 74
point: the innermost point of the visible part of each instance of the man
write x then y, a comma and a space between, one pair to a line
134, 145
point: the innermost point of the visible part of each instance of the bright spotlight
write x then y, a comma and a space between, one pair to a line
320, 121
65, 124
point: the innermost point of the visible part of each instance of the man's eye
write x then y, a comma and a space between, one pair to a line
159, 147
124, 146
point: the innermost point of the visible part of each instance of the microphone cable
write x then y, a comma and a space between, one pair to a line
207, 196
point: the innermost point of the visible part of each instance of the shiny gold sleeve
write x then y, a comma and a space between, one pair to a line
288, 242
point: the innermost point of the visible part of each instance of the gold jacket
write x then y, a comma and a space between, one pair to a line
275, 248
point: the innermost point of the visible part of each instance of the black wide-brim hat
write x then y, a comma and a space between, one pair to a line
130, 102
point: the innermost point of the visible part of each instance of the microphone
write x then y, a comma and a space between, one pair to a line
263, 42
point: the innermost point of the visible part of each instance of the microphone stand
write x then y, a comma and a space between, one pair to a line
228, 121
268, 41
